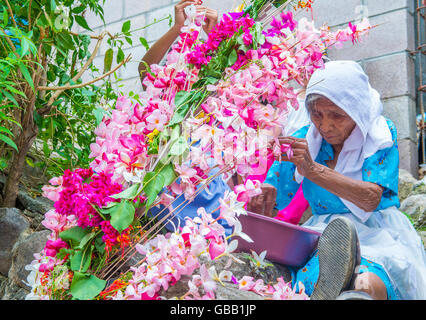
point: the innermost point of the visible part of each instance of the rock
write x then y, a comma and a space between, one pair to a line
38, 204
406, 184
419, 187
306, 215
228, 291
415, 207
35, 220
268, 274
422, 235
12, 226
10, 291
23, 254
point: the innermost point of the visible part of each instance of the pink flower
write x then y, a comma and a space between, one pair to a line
156, 120
123, 103
286, 148
208, 283
246, 283
248, 190
247, 38
52, 192
216, 248
53, 246
55, 221
48, 266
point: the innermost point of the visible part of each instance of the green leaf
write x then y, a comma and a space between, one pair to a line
144, 43
13, 90
120, 55
80, 260
5, 17
175, 134
24, 47
179, 147
232, 58
99, 115
3, 163
129, 40
6, 130
29, 162
153, 184
167, 172
86, 239
100, 244
86, 286
46, 149
26, 74
65, 40
8, 141
82, 22
10, 97
182, 97
126, 26
129, 193
182, 103
122, 216
179, 115
52, 5
78, 10
74, 235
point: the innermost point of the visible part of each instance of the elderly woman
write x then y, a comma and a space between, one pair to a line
348, 161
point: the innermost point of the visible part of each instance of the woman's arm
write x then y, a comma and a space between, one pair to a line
160, 47
158, 50
365, 195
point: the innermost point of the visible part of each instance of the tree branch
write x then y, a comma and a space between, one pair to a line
12, 46
29, 15
78, 34
60, 89
11, 13
76, 77
92, 56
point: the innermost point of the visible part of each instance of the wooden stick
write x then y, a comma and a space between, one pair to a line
11, 13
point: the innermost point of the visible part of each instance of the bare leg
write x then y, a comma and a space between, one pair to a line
372, 285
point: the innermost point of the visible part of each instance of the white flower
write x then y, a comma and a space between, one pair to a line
239, 233
225, 275
260, 259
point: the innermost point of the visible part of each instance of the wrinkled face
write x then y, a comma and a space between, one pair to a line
334, 124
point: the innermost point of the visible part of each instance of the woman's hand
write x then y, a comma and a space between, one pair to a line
180, 15
265, 202
301, 157
211, 18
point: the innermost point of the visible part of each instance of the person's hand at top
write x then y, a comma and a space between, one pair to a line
211, 18
180, 15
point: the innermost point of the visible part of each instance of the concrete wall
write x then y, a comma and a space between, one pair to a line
384, 54
385, 57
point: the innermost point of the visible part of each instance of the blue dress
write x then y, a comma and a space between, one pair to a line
381, 168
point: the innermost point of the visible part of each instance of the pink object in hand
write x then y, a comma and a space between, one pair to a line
294, 211
261, 177
298, 205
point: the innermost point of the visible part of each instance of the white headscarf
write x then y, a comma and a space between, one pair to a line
347, 86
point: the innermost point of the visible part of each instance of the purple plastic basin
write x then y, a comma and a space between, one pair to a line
285, 243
